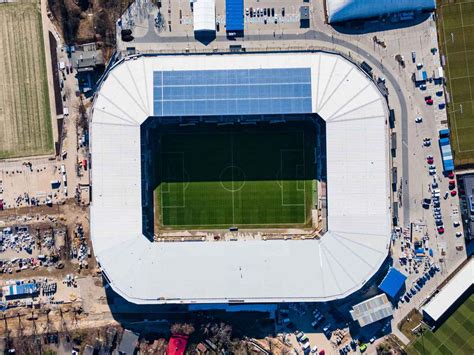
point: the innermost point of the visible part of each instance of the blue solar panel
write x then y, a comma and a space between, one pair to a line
232, 92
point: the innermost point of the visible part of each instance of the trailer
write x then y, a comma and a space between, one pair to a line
446, 152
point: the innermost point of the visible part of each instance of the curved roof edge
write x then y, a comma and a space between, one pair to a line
344, 10
359, 221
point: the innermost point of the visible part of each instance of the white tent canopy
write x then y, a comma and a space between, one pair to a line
204, 15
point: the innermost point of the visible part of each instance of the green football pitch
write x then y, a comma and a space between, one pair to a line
241, 176
455, 336
456, 41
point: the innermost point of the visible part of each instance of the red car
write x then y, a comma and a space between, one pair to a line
429, 102
452, 184
440, 230
1, 204
451, 175
453, 193
430, 160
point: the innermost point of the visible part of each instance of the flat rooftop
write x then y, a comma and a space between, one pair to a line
358, 194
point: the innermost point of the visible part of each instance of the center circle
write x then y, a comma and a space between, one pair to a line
232, 178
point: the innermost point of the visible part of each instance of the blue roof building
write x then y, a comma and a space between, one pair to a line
393, 283
234, 14
20, 290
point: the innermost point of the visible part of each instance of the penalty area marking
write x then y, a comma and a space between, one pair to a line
183, 186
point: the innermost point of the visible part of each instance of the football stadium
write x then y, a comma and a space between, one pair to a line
281, 157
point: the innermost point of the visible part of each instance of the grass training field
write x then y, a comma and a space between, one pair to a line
25, 119
456, 34
236, 176
455, 336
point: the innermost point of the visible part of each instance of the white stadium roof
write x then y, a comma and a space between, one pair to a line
335, 266
344, 10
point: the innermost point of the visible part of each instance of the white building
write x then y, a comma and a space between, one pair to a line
333, 267
436, 309
372, 310
204, 15
344, 10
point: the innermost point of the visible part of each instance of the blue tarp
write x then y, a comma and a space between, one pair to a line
393, 282
234, 14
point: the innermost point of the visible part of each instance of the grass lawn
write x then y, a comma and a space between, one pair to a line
456, 34
245, 176
25, 118
455, 336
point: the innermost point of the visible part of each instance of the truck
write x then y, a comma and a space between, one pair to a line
367, 68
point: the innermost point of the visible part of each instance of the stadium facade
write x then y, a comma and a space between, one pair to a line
358, 196
346, 10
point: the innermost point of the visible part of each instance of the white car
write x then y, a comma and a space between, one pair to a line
458, 234
419, 119
299, 335
314, 349
456, 223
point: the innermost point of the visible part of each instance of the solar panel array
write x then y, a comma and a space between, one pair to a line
232, 92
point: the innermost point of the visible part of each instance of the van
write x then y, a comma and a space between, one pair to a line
55, 184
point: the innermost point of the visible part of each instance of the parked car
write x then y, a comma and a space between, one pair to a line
458, 234
453, 193
419, 119
440, 230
